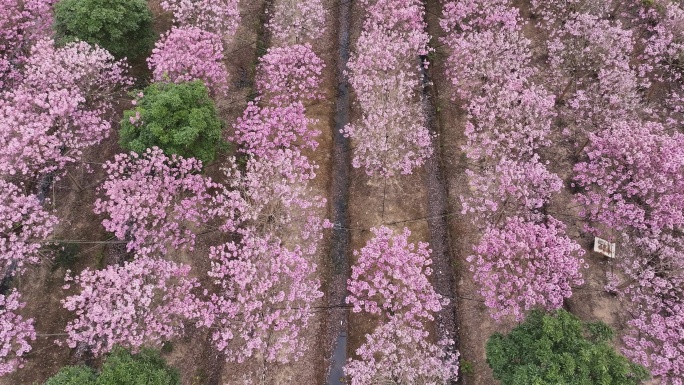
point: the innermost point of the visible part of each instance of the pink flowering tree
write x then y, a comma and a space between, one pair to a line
651, 280
22, 24
15, 333
632, 177
24, 225
288, 74
473, 15
470, 66
154, 202
391, 136
143, 302
662, 57
664, 49
216, 16
278, 196
396, 353
62, 106
510, 121
556, 12
262, 130
524, 265
296, 21
265, 299
585, 46
510, 188
189, 53
390, 280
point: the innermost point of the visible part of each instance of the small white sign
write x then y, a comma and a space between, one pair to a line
604, 247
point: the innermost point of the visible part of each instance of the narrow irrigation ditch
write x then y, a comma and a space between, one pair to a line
339, 248
437, 216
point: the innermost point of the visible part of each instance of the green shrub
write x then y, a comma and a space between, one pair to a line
560, 349
73, 375
144, 368
123, 27
178, 118
121, 368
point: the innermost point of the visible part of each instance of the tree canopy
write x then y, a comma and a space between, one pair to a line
560, 349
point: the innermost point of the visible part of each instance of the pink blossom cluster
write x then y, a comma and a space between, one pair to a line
471, 15
524, 265
390, 280
555, 13
651, 280
266, 278
591, 72
265, 298
662, 57
632, 177
62, 106
511, 121
524, 259
220, 17
297, 21
189, 53
15, 333
289, 74
391, 136
153, 201
476, 30
396, 353
24, 224
391, 276
143, 302
263, 130
22, 24
586, 48
510, 188
276, 192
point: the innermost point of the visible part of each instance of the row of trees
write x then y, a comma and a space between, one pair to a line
267, 278
624, 117
384, 71
390, 280
56, 101
262, 279
155, 198
524, 258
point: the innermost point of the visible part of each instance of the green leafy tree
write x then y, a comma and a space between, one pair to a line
178, 118
122, 27
121, 368
73, 375
560, 349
